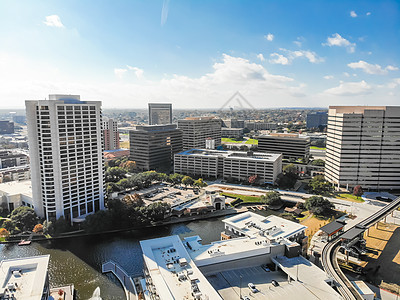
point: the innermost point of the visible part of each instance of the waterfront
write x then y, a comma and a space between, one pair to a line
78, 260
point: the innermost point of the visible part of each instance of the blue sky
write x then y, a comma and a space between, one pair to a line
196, 54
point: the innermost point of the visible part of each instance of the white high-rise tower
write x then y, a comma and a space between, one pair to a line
66, 156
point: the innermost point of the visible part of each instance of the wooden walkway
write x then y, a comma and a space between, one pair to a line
123, 277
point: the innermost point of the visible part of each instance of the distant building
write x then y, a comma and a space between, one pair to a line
160, 113
363, 147
114, 154
233, 123
238, 165
19, 119
236, 133
15, 173
259, 125
6, 127
290, 145
12, 158
197, 130
152, 147
317, 119
110, 134
66, 154
25, 278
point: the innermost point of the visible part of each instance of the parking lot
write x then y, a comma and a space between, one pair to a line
227, 284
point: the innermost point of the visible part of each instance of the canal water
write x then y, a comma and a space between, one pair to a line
79, 260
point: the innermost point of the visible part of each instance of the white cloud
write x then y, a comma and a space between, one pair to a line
261, 57
269, 37
138, 72
337, 40
368, 14
277, 58
395, 82
297, 43
164, 12
327, 77
53, 21
372, 69
120, 72
353, 14
350, 89
346, 74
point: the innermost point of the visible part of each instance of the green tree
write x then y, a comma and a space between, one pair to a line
157, 211
24, 217
48, 227
272, 199
98, 222
318, 162
187, 180
318, 185
200, 183
61, 225
319, 205
129, 166
10, 226
114, 174
176, 178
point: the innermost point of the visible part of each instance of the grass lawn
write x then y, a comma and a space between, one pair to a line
252, 142
313, 224
243, 197
317, 148
228, 140
124, 145
349, 197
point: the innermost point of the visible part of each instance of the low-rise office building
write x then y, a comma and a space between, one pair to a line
254, 125
152, 147
12, 158
19, 173
25, 278
238, 165
15, 194
232, 132
290, 145
189, 269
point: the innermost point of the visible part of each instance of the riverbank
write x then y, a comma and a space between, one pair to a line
184, 219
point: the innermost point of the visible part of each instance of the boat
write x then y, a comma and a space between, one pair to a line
24, 243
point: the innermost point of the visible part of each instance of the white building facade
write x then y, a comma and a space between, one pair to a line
66, 155
363, 146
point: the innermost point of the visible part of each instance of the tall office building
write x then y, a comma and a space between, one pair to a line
152, 147
290, 145
66, 156
197, 130
110, 134
316, 119
160, 113
363, 146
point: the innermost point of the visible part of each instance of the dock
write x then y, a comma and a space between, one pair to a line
123, 277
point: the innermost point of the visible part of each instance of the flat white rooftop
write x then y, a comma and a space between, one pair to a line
24, 277
272, 227
240, 155
226, 250
173, 271
17, 187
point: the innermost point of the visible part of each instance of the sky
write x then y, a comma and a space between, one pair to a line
197, 54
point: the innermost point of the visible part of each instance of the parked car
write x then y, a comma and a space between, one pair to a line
252, 287
274, 282
245, 298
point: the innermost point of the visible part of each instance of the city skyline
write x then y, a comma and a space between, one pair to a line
198, 54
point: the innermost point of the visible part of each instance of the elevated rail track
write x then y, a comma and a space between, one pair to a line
329, 260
